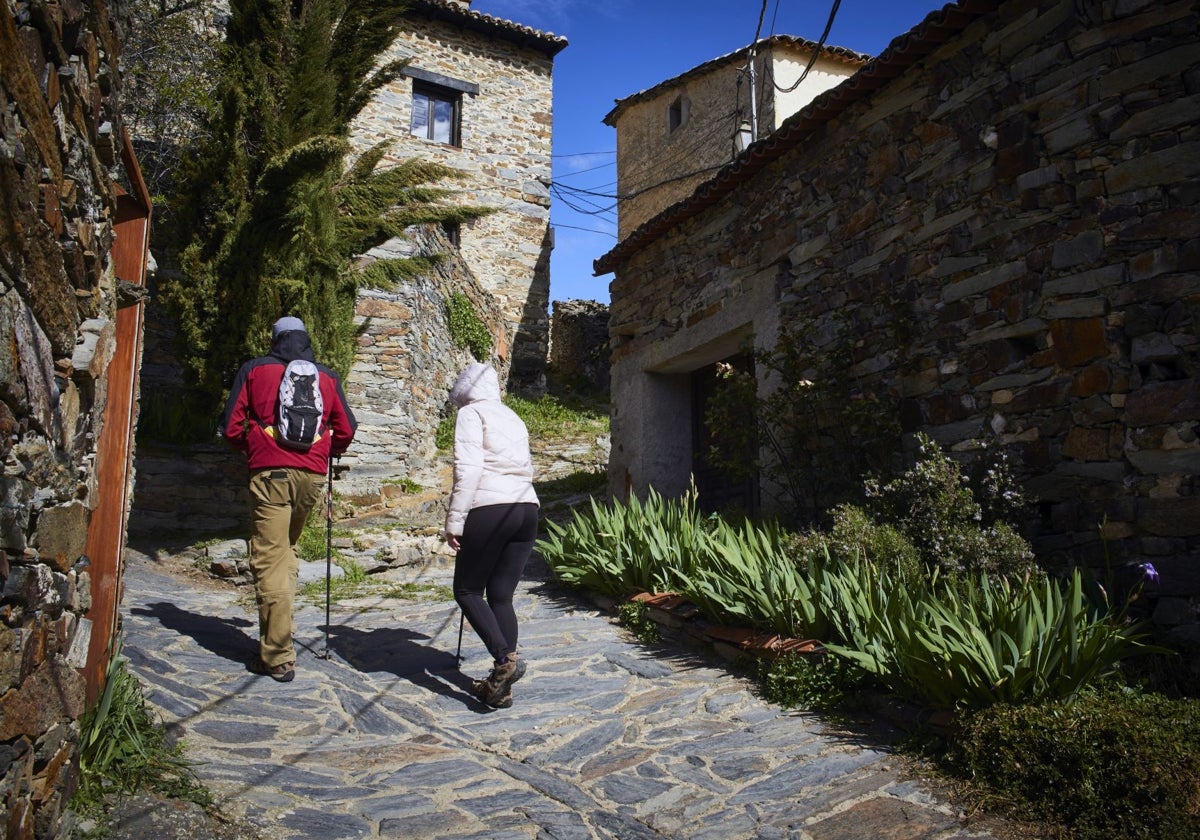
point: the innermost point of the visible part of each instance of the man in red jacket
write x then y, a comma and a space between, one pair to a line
285, 482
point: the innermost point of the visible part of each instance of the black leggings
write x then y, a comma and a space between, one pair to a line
495, 545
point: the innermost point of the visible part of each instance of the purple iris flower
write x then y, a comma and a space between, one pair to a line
1149, 573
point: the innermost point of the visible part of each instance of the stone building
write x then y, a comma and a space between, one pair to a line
675, 135
1004, 206
477, 95
73, 233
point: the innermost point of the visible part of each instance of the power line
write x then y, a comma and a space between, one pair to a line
584, 154
813, 58
585, 230
589, 169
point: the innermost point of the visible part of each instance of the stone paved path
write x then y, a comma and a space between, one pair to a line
605, 740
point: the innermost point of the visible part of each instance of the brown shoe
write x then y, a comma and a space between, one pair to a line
280, 673
497, 688
482, 690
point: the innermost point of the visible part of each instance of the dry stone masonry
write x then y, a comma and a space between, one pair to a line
579, 342
1004, 207
60, 146
501, 74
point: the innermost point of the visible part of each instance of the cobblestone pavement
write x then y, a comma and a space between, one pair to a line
606, 739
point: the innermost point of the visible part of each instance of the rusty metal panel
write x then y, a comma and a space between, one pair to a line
114, 451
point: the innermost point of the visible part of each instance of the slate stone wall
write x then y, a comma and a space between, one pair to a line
59, 149
505, 157
1012, 228
398, 388
579, 342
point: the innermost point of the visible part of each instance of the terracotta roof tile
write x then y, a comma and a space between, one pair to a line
525, 36
848, 55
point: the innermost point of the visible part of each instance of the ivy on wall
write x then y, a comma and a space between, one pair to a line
467, 329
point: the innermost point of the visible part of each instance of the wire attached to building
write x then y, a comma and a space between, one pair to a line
813, 58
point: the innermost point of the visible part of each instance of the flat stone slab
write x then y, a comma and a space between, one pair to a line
380, 736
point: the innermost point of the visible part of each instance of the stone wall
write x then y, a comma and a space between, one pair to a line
504, 155
579, 343
60, 141
399, 386
398, 389
1008, 219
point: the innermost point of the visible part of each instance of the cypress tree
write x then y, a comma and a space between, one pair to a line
270, 215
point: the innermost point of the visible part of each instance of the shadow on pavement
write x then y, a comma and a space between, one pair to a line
397, 651
221, 636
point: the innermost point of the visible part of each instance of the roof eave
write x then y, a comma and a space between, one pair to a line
524, 36
904, 51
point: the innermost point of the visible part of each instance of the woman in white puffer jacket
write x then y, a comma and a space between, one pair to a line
491, 521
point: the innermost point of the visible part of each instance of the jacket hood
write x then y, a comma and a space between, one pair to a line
292, 345
477, 382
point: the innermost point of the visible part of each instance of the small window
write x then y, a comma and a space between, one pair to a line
435, 113
453, 231
676, 114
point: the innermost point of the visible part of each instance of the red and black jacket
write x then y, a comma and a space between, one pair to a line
254, 401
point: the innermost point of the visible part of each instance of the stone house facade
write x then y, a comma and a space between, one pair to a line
673, 136
1016, 183
73, 233
477, 95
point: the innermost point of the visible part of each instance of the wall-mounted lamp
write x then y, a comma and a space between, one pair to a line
744, 136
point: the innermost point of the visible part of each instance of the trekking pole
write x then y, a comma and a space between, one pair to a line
328, 550
458, 654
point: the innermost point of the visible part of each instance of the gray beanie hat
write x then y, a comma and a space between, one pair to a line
287, 323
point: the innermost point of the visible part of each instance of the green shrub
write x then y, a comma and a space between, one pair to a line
406, 484
443, 438
634, 616
740, 574
624, 548
1110, 765
592, 481
550, 417
980, 641
735, 573
817, 682
853, 535
933, 505
314, 540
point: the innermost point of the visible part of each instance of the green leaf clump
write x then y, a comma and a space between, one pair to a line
467, 329
1111, 764
124, 750
965, 641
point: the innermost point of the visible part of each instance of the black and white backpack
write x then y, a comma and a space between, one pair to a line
298, 424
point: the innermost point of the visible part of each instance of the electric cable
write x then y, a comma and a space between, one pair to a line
813, 58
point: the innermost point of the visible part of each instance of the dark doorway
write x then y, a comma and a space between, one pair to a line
721, 487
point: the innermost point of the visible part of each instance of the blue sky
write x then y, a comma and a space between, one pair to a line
619, 47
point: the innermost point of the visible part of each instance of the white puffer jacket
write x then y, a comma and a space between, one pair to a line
492, 465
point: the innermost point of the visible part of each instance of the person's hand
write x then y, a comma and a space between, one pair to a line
452, 541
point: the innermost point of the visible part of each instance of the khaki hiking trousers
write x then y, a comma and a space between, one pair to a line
281, 499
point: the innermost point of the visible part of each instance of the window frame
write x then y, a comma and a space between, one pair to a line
436, 86
430, 95
677, 114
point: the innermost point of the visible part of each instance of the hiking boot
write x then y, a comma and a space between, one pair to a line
280, 673
482, 690
498, 686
